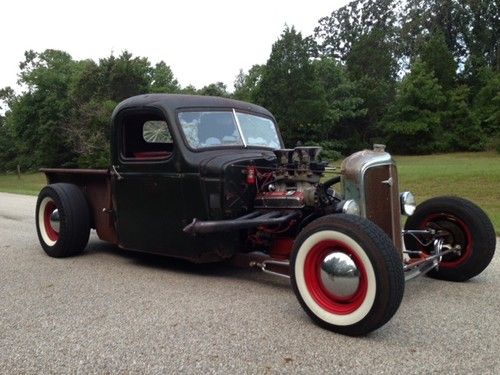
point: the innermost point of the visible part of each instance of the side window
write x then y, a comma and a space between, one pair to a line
146, 137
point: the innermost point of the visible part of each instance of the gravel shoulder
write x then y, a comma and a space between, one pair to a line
110, 311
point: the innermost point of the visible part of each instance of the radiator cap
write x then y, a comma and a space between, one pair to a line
378, 147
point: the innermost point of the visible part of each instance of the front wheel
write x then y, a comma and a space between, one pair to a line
463, 225
346, 274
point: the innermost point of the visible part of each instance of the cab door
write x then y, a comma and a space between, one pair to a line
147, 185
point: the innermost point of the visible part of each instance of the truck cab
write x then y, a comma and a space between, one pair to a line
169, 158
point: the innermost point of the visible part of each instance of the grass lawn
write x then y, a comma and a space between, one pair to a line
475, 176
28, 183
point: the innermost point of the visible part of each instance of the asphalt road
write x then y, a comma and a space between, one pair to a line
113, 312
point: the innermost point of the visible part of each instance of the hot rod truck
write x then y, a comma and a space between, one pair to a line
208, 179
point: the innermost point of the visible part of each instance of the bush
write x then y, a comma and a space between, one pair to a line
495, 144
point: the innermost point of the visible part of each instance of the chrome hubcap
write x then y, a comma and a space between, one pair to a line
54, 220
339, 275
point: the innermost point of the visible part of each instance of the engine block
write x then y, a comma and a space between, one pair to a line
297, 176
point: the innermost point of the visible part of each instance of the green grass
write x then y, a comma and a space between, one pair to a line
29, 184
475, 176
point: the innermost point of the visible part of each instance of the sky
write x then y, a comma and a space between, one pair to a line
202, 41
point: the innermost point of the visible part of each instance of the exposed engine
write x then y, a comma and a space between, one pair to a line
295, 182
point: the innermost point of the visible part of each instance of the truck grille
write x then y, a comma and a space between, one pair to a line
382, 204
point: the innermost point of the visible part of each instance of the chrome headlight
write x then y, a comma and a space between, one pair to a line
408, 203
350, 207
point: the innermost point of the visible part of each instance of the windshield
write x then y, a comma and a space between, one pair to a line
227, 128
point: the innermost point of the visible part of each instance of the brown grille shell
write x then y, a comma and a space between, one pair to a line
370, 178
382, 204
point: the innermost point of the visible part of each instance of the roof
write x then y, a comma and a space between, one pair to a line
173, 102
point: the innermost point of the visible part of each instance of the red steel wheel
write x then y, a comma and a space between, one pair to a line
464, 224
50, 219
335, 276
346, 274
62, 220
458, 233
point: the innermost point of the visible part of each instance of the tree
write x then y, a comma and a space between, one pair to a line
88, 133
189, 90
62, 117
480, 29
36, 118
344, 107
7, 140
290, 89
438, 58
470, 28
340, 92
461, 130
372, 67
342, 29
163, 80
421, 18
124, 76
8, 151
414, 118
246, 85
6, 95
87, 82
214, 89
487, 103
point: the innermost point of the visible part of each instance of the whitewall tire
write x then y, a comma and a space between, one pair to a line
62, 220
347, 274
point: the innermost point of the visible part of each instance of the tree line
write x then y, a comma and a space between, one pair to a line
421, 76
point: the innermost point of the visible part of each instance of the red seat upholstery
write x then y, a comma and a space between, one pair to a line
152, 155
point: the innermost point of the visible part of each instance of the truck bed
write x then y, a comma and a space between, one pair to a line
96, 185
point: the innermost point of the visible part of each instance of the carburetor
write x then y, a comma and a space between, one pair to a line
297, 175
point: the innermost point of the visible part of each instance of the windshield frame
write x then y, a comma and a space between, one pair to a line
233, 111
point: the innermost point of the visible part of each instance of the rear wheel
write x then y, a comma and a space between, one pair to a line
62, 220
346, 274
462, 224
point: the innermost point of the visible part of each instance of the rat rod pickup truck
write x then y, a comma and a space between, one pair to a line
208, 179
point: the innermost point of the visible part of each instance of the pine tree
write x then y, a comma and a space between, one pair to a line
487, 103
413, 121
461, 130
290, 89
439, 59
